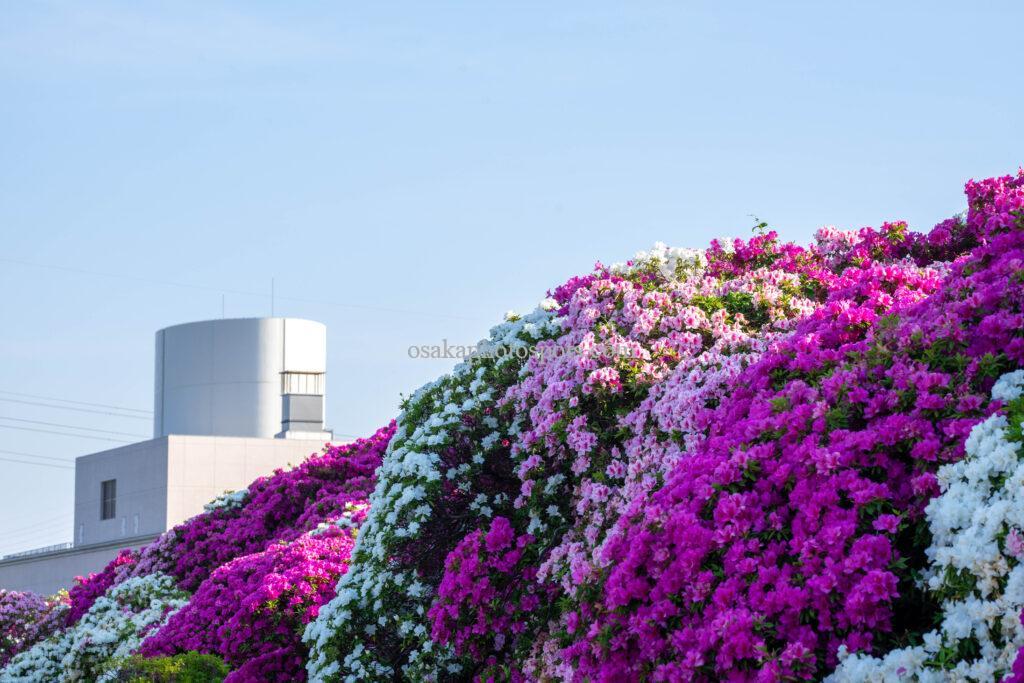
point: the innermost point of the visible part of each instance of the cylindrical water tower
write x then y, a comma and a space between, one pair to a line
255, 377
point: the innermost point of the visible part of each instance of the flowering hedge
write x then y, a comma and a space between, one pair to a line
280, 507
26, 618
720, 464
446, 469
798, 520
112, 628
88, 588
189, 667
251, 610
974, 569
758, 461
282, 543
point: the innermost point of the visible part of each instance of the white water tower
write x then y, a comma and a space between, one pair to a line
252, 377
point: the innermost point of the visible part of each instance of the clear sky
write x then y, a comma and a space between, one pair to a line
406, 172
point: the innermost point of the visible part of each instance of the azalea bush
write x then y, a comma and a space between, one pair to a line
189, 667
26, 618
798, 522
280, 507
974, 566
446, 470
757, 461
653, 342
88, 588
251, 610
112, 628
720, 463
282, 543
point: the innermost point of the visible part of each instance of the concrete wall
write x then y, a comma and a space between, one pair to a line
48, 573
200, 468
140, 470
160, 483
163, 482
223, 377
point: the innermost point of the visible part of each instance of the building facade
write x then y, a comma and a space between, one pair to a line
234, 400
255, 377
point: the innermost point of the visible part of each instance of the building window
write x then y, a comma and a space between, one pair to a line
108, 499
307, 383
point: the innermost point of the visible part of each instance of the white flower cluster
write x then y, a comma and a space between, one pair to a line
375, 597
974, 565
726, 244
674, 263
344, 521
112, 629
229, 500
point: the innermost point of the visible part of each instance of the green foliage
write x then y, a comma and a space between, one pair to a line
949, 656
760, 226
957, 584
189, 667
1015, 420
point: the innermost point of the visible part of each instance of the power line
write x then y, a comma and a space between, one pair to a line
16, 547
38, 464
47, 521
81, 403
30, 537
222, 290
34, 455
50, 431
61, 519
80, 410
23, 547
64, 426
20, 534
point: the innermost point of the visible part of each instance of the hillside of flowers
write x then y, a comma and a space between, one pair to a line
757, 461
238, 583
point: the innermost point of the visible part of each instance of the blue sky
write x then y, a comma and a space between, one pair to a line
446, 160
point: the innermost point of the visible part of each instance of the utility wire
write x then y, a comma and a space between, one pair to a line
49, 521
43, 523
28, 544
31, 539
235, 291
50, 431
23, 534
38, 464
80, 403
34, 455
64, 426
22, 547
80, 410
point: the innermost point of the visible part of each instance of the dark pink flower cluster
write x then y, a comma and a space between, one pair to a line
88, 588
251, 610
280, 507
26, 618
788, 532
640, 355
477, 573
1017, 673
715, 468
563, 293
727, 495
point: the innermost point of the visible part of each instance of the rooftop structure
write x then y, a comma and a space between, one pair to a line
234, 400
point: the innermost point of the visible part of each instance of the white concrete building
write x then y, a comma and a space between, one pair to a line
256, 377
234, 400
